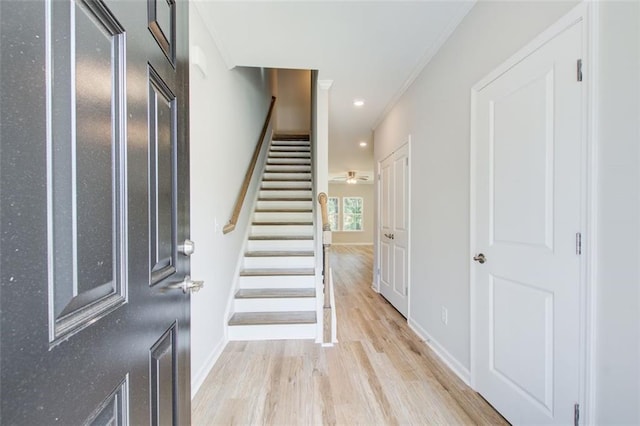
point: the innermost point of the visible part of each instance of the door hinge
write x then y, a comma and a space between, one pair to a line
576, 414
378, 176
579, 70
407, 160
578, 243
378, 271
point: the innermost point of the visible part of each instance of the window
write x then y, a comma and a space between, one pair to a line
352, 213
333, 208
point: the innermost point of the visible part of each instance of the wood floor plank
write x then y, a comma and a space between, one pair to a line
380, 372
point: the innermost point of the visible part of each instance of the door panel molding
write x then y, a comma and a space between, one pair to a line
114, 410
163, 358
163, 138
162, 24
86, 148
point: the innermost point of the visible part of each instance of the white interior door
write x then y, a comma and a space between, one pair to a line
528, 215
394, 229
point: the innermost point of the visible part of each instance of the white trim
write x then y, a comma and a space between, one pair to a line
583, 12
590, 72
444, 355
465, 7
325, 84
206, 368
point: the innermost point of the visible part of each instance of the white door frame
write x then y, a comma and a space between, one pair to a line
587, 12
376, 273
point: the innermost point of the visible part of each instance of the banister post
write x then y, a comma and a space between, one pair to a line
326, 244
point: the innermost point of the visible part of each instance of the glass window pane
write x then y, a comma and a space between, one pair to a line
352, 213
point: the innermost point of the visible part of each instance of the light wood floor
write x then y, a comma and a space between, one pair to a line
380, 372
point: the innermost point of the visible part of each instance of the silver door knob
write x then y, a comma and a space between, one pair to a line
188, 285
187, 248
480, 258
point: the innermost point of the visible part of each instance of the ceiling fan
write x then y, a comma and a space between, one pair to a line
350, 178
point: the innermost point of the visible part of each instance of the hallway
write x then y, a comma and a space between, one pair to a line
378, 373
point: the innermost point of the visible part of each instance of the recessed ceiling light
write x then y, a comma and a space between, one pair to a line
363, 143
358, 102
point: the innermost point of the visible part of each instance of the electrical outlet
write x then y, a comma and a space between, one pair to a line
445, 315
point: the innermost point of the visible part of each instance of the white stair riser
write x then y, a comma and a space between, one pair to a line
275, 304
287, 168
279, 262
284, 148
282, 217
267, 245
277, 142
282, 230
278, 193
272, 332
277, 154
287, 184
286, 281
303, 175
278, 205
288, 162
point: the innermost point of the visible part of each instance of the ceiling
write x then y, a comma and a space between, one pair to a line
371, 51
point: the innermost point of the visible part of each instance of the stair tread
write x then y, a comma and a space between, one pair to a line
266, 318
280, 237
306, 172
284, 211
291, 223
270, 272
275, 293
284, 199
286, 180
285, 189
279, 253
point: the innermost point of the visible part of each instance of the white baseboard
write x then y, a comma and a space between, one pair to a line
455, 365
199, 378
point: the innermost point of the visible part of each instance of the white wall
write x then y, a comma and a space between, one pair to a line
294, 101
359, 190
436, 110
228, 108
617, 380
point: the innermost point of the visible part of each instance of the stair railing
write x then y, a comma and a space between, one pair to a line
327, 326
231, 225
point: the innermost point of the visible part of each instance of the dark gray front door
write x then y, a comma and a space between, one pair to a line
93, 212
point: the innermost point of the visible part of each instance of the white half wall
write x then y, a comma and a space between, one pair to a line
228, 108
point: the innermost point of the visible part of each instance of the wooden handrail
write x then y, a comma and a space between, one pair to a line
326, 245
247, 177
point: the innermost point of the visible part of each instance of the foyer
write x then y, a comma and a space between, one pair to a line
379, 373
